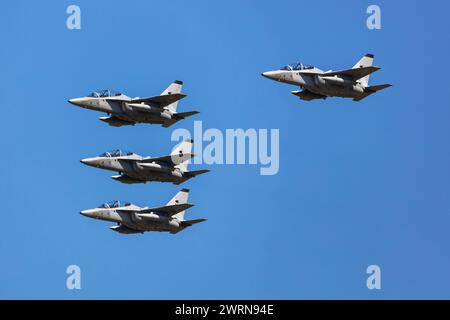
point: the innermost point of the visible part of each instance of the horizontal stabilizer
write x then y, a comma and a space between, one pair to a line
192, 174
355, 74
378, 87
189, 223
186, 224
169, 210
370, 90
162, 100
177, 117
182, 115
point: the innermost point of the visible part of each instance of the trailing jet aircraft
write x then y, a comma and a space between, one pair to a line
133, 219
134, 168
317, 84
123, 110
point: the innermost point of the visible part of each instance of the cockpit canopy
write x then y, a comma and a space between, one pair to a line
296, 66
104, 94
116, 153
115, 204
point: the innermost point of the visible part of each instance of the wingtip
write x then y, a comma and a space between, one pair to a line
370, 55
185, 190
178, 82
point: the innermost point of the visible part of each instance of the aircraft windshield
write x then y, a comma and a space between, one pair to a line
104, 93
116, 153
114, 204
296, 66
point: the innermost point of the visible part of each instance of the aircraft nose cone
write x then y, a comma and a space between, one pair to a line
76, 102
88, 161
84, 213
273, 75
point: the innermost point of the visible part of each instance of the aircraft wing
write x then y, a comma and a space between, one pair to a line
169, 210
116, 122
122, 229
307, 95
162, 100
356, 73
170, 122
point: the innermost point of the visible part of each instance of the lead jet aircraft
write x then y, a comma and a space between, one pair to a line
133, 219
134, 168
317, 84
123, 110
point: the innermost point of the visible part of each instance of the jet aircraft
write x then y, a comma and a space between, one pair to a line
133, 219
123, 110
317, 84
134, 168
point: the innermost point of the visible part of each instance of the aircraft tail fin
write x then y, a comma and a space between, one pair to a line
174, 87
183, 148
180, 198
366, 61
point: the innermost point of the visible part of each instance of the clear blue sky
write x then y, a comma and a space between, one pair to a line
359, 183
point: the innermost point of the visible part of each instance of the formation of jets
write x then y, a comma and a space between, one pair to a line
132, 168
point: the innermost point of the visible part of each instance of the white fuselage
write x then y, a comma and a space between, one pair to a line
315, 83
140, 172
131, 219
119, 106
